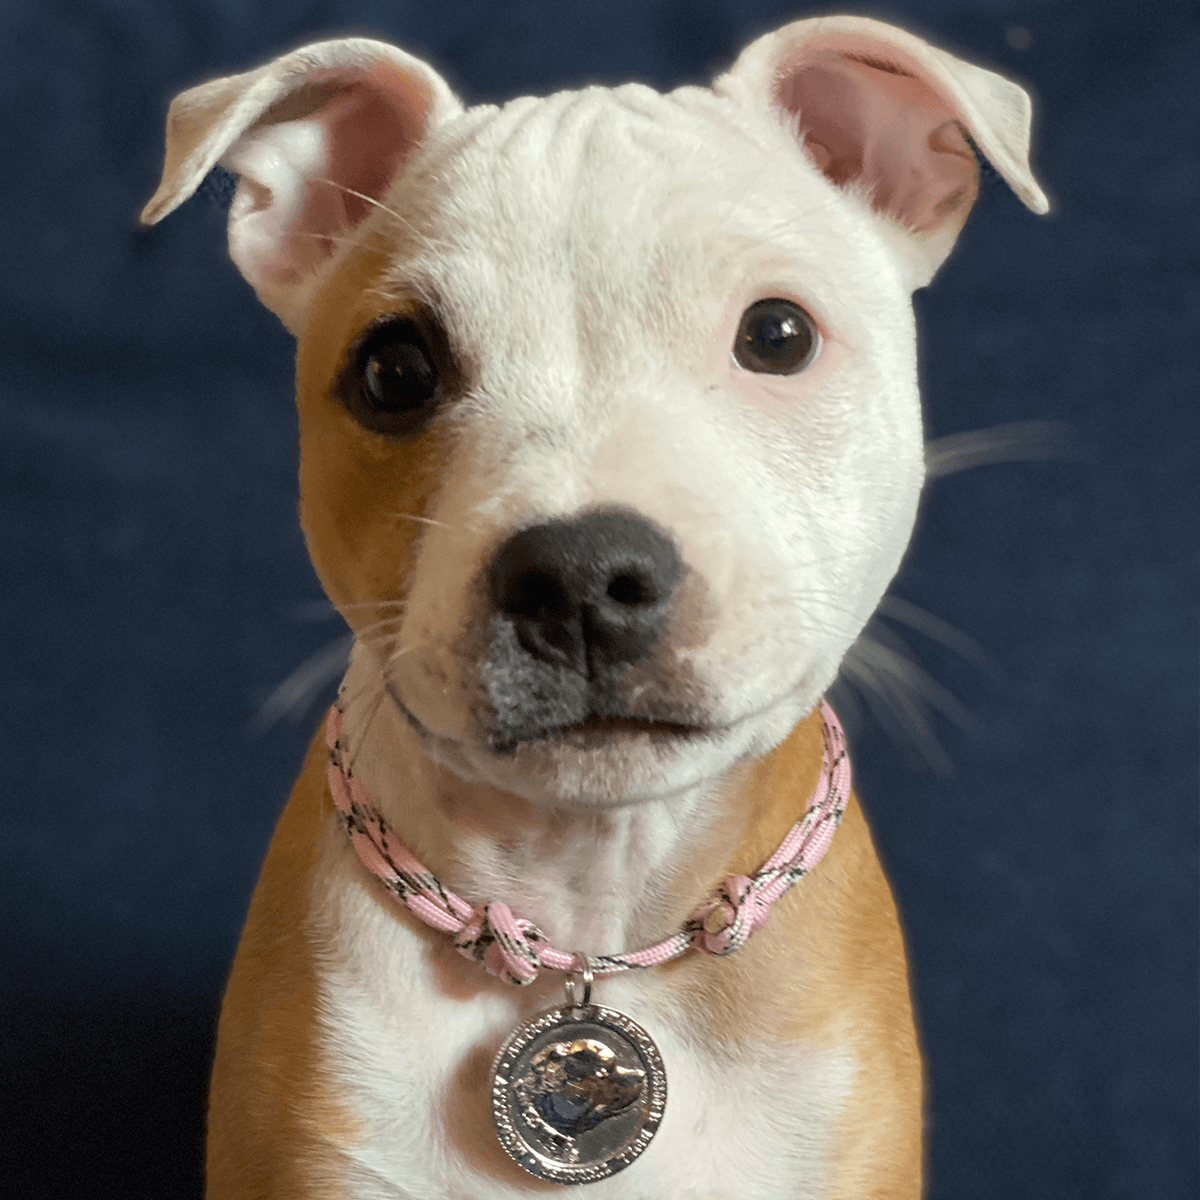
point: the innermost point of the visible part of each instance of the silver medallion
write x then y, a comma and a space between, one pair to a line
579, 1092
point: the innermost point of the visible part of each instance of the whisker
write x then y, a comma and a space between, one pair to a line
363, 728
785, 223
906, 724
311, 611
349, 698
937, 630
379, 631
394, 657
293, 698
893, 661
827, 601
327, 237
1014, 441
375, 604
391, 212
389, 617
375, 682
791, 221
881, 668
843, 695
421, 520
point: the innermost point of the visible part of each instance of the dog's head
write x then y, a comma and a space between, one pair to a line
574, 1086
610, 435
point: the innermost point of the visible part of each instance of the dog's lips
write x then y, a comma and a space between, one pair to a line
597, 732
592, 733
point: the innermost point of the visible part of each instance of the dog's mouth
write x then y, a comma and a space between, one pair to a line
590, 733
594, 733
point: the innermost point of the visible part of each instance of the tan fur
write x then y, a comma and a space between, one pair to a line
361, 496
829, 968
274, 1126
272, 1116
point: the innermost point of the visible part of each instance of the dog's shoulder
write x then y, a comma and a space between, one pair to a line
274, 1109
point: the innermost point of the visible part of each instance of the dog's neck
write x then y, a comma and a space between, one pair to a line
597, 880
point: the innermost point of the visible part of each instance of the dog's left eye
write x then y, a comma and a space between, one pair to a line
776, 337
396, 378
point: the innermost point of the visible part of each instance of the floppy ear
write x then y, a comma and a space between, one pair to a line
315, 137
880, 110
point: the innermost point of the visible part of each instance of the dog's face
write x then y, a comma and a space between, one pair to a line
610, 435
578, 272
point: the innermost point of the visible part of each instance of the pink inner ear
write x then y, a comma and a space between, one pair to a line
310, 180
875, 124
372, 127
316, 163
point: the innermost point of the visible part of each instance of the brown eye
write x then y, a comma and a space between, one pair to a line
395, 380
776, 337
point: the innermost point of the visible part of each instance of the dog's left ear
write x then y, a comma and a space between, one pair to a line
880, 110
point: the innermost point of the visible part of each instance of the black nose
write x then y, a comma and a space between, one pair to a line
589, 593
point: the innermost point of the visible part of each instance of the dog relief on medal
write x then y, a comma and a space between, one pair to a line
578, 1093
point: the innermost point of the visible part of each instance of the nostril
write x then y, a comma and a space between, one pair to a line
534, 593
630, 590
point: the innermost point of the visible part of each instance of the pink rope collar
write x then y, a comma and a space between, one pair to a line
514, 949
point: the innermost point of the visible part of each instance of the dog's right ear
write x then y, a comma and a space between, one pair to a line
315, 137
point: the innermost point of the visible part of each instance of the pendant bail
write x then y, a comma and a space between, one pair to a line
579, 984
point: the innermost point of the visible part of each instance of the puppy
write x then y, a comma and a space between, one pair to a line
610, 445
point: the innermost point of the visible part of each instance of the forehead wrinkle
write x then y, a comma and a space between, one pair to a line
562, 232
546, 256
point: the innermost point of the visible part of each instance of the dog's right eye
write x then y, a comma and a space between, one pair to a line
396, 378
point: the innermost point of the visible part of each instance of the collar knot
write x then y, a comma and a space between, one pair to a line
504, 943
727, 921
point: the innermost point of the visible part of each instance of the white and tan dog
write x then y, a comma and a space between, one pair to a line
610, 445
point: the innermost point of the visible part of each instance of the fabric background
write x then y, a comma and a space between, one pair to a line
157, 590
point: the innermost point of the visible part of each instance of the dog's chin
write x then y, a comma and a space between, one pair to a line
601, 764
610, 762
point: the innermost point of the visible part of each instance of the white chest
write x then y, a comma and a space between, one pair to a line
409, 1037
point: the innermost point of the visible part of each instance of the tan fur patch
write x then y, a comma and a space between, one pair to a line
276, 1124
362, 495
827, 970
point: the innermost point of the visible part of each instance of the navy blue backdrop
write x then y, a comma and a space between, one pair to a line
157, 590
